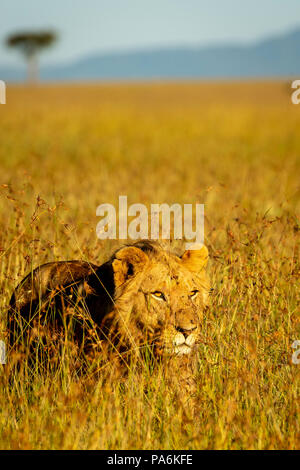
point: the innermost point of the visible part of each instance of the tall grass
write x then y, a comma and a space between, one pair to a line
234, 147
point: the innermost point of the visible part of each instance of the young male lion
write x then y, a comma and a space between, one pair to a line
143, 295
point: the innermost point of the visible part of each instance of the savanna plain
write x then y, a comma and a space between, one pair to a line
65, 149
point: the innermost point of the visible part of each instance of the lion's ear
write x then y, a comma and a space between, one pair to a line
195, 260
128, 262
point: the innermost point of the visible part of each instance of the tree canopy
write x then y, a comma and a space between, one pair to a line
31, 42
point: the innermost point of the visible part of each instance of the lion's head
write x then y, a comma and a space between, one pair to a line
160, 297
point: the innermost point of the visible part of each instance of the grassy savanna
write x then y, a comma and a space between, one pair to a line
234, 147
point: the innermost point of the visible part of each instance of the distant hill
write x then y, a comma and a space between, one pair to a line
277, 56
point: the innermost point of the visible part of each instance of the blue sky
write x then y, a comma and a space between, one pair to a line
88, 26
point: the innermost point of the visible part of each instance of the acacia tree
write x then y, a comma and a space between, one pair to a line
30, 43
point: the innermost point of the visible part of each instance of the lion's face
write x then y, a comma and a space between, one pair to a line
160, 297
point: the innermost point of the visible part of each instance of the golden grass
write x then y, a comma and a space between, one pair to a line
233, 146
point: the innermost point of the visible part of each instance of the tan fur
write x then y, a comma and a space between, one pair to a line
144, 295
173, 322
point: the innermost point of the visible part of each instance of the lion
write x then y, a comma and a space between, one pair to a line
144, 295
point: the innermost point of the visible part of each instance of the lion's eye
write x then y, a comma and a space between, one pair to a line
194, 294
158, 295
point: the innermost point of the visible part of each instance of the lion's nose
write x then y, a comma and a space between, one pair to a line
186, 331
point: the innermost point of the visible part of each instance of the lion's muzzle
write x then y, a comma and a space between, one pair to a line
186, 327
